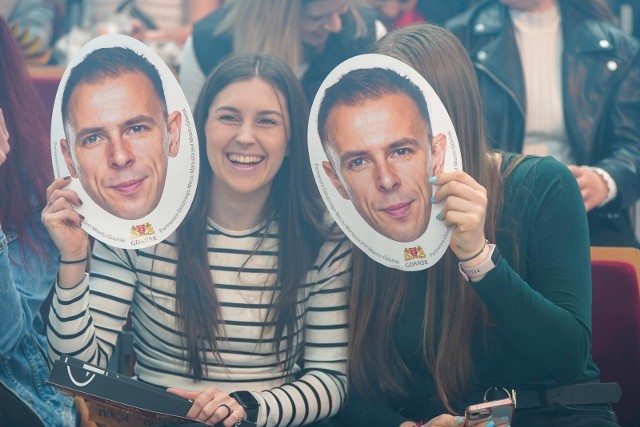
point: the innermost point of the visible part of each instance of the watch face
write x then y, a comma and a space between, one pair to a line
250, 405
246, 399
495, 255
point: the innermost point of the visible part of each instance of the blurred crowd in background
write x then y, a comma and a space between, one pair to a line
51, 31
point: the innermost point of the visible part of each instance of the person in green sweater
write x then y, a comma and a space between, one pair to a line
509, 304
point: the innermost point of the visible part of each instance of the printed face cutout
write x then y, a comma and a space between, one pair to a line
377, 133
122, 129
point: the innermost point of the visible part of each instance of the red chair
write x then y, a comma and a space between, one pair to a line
616, 325
46, 80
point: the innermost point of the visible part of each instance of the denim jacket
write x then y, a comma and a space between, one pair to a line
25, 280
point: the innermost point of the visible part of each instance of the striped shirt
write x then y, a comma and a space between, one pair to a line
85, 321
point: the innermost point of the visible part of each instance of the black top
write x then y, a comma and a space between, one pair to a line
541, 309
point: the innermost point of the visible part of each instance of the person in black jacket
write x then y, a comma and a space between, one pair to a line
311, 36
557, 78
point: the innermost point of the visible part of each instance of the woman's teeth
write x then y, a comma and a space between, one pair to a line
245, 160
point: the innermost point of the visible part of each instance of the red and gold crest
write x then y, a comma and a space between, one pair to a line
142, 230
414, 253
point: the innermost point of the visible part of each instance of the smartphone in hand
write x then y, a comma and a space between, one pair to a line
498, 411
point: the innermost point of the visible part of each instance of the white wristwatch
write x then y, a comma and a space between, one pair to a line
484, 267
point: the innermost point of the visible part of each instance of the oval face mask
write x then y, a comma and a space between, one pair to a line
122, 129
377, 134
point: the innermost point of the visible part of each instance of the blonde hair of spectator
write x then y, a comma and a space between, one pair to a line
273, 27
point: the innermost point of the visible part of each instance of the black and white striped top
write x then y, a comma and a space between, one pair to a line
85, 321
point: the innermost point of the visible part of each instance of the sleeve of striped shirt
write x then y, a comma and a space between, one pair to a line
85, 321
320, 390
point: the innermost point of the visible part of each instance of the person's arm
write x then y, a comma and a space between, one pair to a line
621, 159
191, 77
85, 320
20, 295
321, 389
15, 311
547, 317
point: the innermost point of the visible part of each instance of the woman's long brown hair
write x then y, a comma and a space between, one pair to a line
28, 171
451, 306
294, 203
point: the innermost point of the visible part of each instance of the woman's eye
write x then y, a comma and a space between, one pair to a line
268, 122
227, 118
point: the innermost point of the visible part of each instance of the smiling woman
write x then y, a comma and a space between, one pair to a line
247, 318
246, 133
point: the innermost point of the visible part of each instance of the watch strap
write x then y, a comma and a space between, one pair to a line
244, 423
480, 270
250, 405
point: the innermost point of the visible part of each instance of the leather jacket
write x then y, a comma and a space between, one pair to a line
601, 98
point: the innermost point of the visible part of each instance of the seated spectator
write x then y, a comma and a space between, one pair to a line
32, 23
312, 36
557, 78
28, 257
163, 25
509, 315
243, 308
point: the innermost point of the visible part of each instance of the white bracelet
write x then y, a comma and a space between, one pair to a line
612, 188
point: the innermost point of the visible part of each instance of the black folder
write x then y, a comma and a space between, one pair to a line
91, 382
